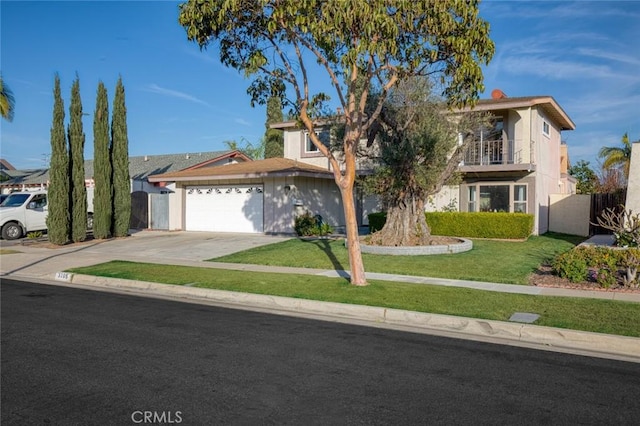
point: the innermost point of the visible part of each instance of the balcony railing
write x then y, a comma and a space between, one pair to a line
494, 152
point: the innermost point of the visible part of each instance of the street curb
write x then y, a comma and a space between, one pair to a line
541, 336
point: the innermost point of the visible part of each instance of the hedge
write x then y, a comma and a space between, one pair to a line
470, 225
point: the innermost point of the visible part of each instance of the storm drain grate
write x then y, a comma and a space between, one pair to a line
525, 317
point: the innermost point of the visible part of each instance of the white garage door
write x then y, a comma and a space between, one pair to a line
229, 208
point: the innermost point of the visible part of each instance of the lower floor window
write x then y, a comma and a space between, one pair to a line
497, 198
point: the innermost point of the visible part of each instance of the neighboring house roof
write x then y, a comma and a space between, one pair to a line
27, 177
252, 169
140, 167
548, 104
5, 165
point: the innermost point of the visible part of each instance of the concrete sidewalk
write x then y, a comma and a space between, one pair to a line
166, 248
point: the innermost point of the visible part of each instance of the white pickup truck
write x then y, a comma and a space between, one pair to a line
24, 212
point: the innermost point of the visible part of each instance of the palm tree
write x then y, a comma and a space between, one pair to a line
7, 102
617, 157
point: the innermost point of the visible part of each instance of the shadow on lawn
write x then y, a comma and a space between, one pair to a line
573, 239
325, 246
545, 257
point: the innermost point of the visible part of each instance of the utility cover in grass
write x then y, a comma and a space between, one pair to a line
524, 317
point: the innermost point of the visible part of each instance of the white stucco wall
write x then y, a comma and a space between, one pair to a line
448, 195
278, 205
633, 186
569, 214
176, 209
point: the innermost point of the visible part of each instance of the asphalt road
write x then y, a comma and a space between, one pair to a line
83, 357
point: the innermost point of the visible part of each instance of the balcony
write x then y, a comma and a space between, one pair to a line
496, 155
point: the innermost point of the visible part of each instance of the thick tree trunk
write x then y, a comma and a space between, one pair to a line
353, 239
405, 226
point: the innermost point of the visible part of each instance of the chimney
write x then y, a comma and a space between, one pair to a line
146, 158
498, 94
186, 157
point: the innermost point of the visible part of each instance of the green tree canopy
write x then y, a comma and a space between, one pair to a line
102, 171
587, 179
255, 152
420, 146
76, 156
7, 101
120, 164
58, 218
274, 138
616, 156
360, 45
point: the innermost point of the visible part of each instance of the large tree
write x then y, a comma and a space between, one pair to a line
586, 178
360, 44
7, 101
419, 147
58, 219
616, 156
120, 164
102, 171
274, 139
76, 159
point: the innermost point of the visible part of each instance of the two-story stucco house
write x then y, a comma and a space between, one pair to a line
513, 167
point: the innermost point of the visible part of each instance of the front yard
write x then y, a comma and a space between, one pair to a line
510, 262
595, 315
494, 261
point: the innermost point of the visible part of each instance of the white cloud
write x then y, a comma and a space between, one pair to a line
242, 122
154, 88
565, 10
557, 69
605, 54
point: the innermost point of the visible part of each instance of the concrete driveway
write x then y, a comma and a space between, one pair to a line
179, 248
182, 245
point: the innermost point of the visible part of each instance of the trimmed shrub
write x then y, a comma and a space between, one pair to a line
307, 225
571, 265
470, 225
603, 265
377, 221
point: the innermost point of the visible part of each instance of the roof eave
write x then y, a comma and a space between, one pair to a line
257, 175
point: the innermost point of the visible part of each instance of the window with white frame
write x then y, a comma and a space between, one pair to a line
546, 130
473, 199
520, 198
497, 198
324, 137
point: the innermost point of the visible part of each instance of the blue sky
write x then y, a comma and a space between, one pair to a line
584, 54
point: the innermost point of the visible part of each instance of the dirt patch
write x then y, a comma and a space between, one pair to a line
544, 277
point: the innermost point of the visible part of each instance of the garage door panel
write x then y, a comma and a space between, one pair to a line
231, 208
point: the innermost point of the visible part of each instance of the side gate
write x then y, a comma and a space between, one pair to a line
159, 211
601, 202
139, 210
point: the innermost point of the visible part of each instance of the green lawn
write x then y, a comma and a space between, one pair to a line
493, 261
574, 313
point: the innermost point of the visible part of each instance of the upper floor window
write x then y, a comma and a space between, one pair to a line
324, 137
546, 129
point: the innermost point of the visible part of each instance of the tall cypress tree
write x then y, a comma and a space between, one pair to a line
58, 192
102, 174
76, 156
120, 164
274, 139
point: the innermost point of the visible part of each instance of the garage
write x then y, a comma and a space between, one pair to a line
224, 208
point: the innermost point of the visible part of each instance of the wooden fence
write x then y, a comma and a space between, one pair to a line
601, 202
